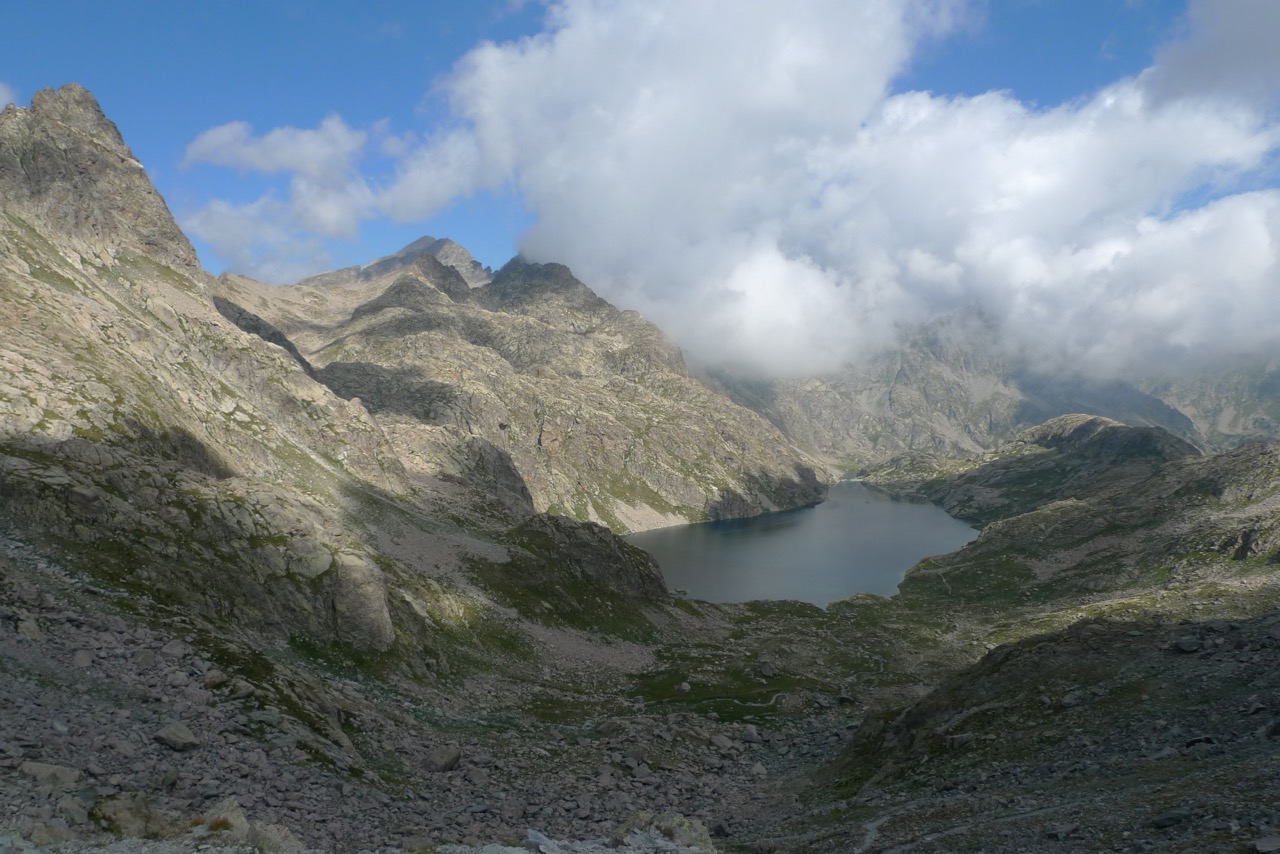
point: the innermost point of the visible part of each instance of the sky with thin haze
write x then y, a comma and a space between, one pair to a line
780, 186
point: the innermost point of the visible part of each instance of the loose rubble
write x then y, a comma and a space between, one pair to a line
111, 726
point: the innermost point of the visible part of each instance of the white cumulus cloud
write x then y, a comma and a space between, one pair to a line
752, 181
259, 239
7, 94
327, 195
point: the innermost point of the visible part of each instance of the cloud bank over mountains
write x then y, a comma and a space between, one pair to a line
753, 183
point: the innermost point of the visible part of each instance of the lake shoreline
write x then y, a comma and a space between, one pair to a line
862, 539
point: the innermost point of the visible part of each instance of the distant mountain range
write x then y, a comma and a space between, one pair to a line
945, 389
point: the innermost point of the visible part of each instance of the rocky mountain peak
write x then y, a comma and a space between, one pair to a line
456, 256
445, 277
420, 253
75, 107
65, 167
521, 282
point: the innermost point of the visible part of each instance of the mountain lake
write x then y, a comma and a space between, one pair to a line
857, 541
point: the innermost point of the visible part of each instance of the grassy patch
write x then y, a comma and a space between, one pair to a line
544, 594
342, 660
562, 708
720, 682
142, 265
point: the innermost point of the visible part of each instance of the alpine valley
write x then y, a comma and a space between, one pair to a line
338, 566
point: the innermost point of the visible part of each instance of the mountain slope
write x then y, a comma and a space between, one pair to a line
1086, 506
149, 440
593, 405
1229, 404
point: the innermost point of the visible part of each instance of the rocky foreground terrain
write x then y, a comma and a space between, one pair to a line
277, 574
1140, 717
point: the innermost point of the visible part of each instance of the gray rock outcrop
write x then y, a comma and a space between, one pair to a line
64, 165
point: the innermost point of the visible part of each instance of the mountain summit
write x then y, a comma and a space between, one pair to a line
443, 250
64, 165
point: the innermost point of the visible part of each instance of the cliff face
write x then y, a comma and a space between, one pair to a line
593, 406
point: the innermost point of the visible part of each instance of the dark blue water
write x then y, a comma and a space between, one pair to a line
857, 541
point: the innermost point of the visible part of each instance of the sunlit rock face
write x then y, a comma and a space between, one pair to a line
592, 408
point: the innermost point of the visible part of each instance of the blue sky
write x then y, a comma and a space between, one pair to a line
165, 72
784, 192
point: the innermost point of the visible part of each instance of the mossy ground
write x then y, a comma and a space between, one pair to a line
723, 684
540, 591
